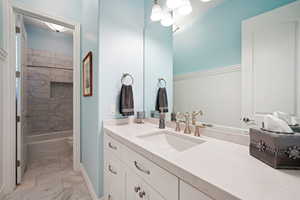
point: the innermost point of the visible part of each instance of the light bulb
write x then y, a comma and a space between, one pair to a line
55, 27
173, 4
156, 13
167, 19
186, 8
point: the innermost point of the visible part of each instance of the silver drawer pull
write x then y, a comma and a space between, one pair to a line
140, 168
142, 194
111, 170
112, 146
137, 189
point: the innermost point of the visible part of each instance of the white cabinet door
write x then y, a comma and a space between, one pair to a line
137, 189
188, 192
133, 186
271, 72
150, 194
114, 179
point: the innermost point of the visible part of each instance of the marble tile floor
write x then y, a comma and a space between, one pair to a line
51, 178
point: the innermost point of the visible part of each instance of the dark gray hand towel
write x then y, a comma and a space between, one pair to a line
162, 100
126, 101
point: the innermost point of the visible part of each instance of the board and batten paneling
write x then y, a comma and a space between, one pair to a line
270, 55
216, 92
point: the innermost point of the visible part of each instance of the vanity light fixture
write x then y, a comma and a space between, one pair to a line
167, 19
185, 8
55, 27
173, 4
157, 12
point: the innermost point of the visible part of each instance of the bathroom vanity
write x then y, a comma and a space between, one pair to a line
144, 162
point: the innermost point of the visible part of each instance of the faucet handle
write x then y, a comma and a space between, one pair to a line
179, 115
194, 115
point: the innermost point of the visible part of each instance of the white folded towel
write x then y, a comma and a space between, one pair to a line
273, 123
290, 120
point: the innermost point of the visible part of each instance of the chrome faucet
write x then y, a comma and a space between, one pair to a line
178, 121
162, 120
187, 129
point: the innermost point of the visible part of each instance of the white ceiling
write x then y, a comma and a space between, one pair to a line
41, 24
199, 9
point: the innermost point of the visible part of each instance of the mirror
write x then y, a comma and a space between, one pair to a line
236, 61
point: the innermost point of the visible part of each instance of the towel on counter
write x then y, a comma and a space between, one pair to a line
162, 100
126, 100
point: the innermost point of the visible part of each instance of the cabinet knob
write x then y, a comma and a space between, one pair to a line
110, 145
137, 189
142, 194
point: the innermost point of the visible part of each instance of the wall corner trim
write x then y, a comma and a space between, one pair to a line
210, 72
89, 183
3, 54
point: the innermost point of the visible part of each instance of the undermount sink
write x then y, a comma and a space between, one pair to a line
171, 141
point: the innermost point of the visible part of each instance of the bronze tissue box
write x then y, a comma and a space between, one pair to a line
280, 151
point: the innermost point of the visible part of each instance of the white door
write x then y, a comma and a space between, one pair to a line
21, 99
270, 55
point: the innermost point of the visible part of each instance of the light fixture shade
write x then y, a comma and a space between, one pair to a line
205, 0
55, 27
186, 8
167, 20
156, 13
173, 4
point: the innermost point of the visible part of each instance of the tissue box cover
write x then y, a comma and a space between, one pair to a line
280, 151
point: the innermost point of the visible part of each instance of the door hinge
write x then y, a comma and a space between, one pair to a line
18, 163
18, 29
18, 74
18, 118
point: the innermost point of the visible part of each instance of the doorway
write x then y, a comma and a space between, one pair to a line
44, 111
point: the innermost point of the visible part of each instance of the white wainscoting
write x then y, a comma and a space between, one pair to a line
216, 92
2, 62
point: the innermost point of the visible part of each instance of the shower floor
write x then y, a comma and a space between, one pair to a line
51, 178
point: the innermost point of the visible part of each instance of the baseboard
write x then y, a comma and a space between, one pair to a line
89, 183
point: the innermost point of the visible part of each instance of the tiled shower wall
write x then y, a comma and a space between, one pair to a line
49, 77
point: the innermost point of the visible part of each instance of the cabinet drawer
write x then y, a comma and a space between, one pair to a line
138, 189
114, 178
188, 192
161, 180
112, 146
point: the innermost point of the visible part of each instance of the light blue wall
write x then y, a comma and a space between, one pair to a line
214, 40
42, 39
91, 137
158, 59
121, 50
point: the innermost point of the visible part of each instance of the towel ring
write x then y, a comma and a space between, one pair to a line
162, 83
125, 75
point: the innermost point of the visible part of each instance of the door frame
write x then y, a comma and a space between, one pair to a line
9, 122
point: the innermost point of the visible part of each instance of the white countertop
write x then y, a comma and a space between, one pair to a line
221, 169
